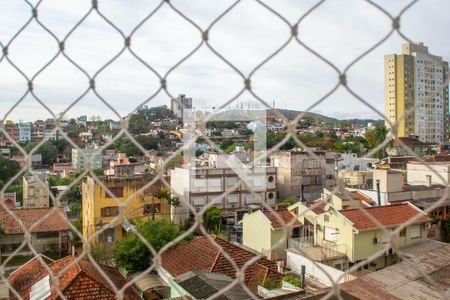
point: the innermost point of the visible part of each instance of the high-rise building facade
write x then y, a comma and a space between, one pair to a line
416, 93
179, 104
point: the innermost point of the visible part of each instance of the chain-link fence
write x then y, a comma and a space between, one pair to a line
90, 231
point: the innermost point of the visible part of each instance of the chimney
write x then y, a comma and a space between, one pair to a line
378, 192
428, 181
303, 272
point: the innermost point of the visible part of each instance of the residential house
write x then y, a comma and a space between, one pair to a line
416, 147
352, 233
358, 179
78, 279
340, 239
389, 186
63, 170
35, 191
264, 230
48, 227
301, 174
8, 200
202, 254
127, 193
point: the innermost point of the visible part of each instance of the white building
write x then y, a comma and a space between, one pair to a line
348, 162
428, 173
82, 157
200, 186
25, 129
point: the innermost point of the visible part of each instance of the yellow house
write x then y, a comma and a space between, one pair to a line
100, 208
352, 233
307, 212
263, 230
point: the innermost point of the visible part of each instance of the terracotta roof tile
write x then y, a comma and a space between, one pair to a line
201, 254
55, 221
388, 215
285, 215
81, 281
317, 206
362, 197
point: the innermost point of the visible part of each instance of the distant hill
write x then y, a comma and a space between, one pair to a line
239, 114
292, 114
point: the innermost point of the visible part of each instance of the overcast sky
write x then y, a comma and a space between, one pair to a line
340, 30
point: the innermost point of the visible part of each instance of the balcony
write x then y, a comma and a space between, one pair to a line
322, 253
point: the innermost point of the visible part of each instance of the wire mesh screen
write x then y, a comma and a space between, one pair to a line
152, 194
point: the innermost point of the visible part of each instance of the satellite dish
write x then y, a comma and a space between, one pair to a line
326, 207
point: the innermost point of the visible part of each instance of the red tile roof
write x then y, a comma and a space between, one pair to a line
409, 141
201, 254
317, 206
286, 217
362, 197
81, 281
388, 215
56, 220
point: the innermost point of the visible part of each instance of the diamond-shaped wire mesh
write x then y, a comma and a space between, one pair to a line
92, 72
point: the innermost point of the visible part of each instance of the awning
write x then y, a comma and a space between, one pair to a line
147, 282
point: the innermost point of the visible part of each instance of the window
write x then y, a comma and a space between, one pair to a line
270, 178
116, 191
326, 218
111, 211
415, 231
403, 232
108, 235
152, 208
47, 235
330, 234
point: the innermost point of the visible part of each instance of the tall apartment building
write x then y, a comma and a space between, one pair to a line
300, 174
415, 82
179, 104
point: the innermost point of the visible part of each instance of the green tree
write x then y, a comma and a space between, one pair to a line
48, 151
102, 253
132, 254
212, 219
8, 169
376, 137
148, 142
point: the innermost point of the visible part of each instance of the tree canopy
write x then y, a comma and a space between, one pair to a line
48, 151
8, 169
132, 254
212, 219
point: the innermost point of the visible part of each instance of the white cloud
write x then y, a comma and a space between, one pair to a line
340, 30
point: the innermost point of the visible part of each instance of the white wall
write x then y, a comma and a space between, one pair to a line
417, 173
295, 261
